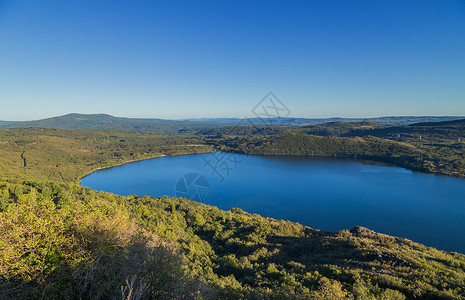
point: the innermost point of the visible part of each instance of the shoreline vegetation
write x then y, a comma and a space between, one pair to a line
61, 240
118, 165
434, 148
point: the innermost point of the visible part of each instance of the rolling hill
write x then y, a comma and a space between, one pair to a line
430, 130
107, 122
4, 123
298, 122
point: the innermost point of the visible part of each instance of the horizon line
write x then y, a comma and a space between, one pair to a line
245, 117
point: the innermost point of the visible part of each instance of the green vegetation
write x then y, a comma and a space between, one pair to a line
252, 257
427, 147
67, 155
61, 240
107, 122
66, 241
340, 128
369, 148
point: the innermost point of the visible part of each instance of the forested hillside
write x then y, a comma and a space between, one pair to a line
107, 122
437, 158
435, 147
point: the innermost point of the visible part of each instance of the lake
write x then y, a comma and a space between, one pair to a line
326, 194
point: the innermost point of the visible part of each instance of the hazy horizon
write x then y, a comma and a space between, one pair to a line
178, 60
250, 116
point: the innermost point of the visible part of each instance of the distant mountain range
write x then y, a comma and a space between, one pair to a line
107, 122
4, 123
312, 121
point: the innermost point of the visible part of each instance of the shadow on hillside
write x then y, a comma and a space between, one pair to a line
140, 271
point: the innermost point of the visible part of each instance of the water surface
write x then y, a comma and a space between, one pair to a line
326, 194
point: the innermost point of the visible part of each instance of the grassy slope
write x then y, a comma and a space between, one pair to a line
235, 253
67, 155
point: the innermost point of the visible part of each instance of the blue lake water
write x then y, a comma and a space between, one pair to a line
326, 194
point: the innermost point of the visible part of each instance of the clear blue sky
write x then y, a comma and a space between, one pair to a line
181, 59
